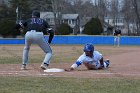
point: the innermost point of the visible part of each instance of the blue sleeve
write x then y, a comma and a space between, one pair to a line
78, 63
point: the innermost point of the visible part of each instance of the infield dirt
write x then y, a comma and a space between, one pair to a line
124, 62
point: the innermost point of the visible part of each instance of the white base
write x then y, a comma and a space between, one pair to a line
54, 70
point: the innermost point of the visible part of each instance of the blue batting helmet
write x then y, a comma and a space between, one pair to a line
88, 48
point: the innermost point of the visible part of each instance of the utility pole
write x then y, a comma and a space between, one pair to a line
19, 14
17, 17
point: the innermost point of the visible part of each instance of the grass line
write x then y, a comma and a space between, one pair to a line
67, 85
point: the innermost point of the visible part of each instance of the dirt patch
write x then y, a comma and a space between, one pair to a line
124, 63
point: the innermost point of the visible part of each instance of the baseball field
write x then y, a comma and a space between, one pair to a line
123, 75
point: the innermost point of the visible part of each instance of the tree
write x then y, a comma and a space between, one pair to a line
8, 28
93, 27
8, 16
102, 10
24, 10
64, 29
132, 16
135, 4
7, 21
4, 11
128, 15
42, 5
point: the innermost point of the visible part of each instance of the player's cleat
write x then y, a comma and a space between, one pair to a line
107, 63
23, 67
44, 66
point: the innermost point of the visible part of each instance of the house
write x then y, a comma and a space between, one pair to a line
49, 17
116, 22
73, 21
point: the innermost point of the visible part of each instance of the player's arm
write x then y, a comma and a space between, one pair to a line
114, 33
74, 66
77, 63
101, 62
51, 34
50, 31
22, 24
100, 58
19, 25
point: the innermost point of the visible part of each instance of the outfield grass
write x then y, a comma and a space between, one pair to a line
61, 53
13, 54
67, 85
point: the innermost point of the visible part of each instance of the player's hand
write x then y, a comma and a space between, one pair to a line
69, 69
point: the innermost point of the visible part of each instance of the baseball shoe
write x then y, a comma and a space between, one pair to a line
23, 67
44, 66
107, 63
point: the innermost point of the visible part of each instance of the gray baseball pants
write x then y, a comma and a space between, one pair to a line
38, 38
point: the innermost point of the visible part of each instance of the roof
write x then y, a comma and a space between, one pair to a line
46, 14
69, 16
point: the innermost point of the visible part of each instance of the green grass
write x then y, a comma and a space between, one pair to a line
67, 85
36, 55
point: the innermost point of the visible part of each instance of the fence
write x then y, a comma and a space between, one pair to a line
96, 40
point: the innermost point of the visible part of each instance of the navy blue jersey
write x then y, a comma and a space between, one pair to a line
37, 24
117, 32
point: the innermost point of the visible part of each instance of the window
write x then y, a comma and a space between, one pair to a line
73, 21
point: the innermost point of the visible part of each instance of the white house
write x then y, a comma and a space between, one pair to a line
49, 17
116, 22
73, 21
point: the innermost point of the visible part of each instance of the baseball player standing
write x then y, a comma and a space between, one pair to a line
93, 60
36, 27
117, 35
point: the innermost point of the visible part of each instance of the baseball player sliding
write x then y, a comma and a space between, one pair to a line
93, 60
36, 28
